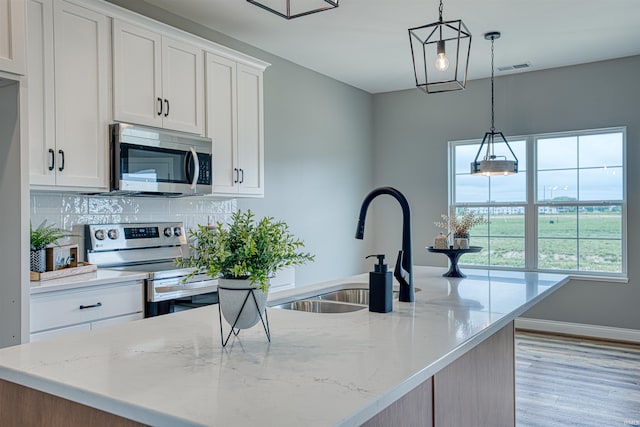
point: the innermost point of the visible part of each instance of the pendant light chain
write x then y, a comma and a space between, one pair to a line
440, 10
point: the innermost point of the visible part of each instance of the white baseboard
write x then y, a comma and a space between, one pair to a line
592, 331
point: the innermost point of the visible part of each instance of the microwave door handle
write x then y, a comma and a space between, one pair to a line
196, 168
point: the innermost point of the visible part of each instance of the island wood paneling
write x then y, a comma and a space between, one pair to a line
478, 389
22, 406
414, 409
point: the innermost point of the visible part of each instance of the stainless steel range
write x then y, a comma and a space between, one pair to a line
151, 248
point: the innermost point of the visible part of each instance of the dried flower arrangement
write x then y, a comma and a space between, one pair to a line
459, 225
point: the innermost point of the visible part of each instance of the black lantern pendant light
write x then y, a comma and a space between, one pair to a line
491, 164
440, 53
285, 9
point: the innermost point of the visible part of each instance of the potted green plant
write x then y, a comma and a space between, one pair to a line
244, 254
41, 237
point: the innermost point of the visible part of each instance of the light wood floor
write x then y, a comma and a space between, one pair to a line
563, 381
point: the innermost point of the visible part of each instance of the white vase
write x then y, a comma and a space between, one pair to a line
461, 241
232, 293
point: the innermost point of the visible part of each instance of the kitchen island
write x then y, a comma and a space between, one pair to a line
348, 369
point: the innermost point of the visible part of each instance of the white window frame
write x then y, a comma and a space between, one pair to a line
531, 204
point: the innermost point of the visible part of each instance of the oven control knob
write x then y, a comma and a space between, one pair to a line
177, 231
99, 234
168, 232
113, 234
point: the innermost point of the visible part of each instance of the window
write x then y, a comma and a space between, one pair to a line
564, 210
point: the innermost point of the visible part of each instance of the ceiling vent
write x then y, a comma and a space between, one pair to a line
514, 67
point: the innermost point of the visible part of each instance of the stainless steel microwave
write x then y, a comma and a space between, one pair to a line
151, 161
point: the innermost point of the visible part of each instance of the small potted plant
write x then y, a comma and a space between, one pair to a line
41, 237
244, 254
459, 226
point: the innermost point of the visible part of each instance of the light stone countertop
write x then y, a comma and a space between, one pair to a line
319, 369
97, 278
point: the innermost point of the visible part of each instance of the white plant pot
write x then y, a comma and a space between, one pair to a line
38, 260
232, 294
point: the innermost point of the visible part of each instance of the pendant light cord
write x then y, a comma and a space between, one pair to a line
493, 128
440, 10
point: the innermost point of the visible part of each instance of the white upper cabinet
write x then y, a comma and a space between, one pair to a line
250, 131
68, 94
235, 124
12, 35
157, 80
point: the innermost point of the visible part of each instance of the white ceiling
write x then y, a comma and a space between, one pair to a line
365, 43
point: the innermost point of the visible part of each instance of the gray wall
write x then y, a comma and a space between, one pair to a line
411, 131
12, 264
318, 152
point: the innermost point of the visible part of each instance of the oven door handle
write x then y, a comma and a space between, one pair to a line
196, 168
186, 286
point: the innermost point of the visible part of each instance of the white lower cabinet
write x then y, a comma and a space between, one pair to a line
65, 311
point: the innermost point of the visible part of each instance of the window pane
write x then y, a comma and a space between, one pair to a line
510, 188
472, 189
601, 255
557, 221
464, 155
600, 222
601, 184
479, 258
601, 150
558, 254
506, 252
558, 185
557, 153
507, 221
479, 229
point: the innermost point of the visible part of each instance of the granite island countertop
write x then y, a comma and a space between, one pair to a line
319, 369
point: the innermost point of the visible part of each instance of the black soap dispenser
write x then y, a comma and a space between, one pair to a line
380, 287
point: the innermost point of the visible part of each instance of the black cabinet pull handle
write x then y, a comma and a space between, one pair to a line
159, 106
241, 176
61, 152
98, 304
237, 178
166, 103
52, 159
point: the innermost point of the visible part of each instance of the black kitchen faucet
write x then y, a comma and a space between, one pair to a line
404, 265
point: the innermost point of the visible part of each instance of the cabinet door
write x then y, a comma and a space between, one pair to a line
182, 86
81, 60
250, 131
221, 122
137, 81
116, 320
45, 335
42, 147
59, 309
12, 36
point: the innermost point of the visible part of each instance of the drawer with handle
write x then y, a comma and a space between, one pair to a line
68, 307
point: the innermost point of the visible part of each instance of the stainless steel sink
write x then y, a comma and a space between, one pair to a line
340, 301
320, 306
352, 296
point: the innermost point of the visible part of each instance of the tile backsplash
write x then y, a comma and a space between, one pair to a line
72, 211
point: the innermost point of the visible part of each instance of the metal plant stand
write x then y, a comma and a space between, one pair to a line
454, 255
264, 320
